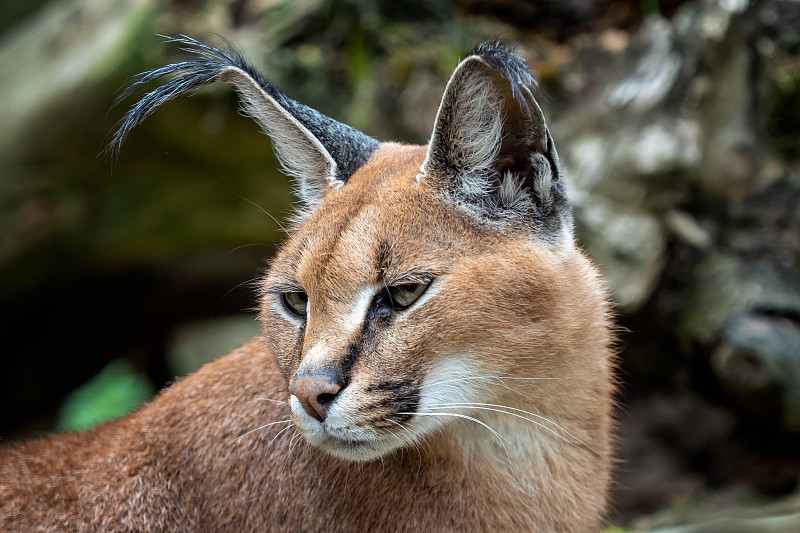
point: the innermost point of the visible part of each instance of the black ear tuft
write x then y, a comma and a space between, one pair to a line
511, 66
313, 148
491, 152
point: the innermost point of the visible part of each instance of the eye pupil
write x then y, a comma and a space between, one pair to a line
296, 302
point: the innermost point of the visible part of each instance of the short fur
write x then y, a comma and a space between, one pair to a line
483, 405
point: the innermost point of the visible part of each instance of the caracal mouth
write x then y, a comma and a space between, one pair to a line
352, 449
342, 438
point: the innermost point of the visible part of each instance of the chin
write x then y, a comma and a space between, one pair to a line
352, 450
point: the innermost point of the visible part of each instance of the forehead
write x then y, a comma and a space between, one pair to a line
381, 223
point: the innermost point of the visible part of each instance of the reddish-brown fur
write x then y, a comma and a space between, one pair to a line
189, 460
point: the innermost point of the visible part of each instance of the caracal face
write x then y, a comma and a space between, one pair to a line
474, 304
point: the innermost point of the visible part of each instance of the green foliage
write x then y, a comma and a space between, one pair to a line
115, 391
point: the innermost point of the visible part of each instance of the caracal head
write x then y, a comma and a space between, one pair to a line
420, 285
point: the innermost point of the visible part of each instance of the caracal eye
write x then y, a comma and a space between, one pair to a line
296, 302
406, 294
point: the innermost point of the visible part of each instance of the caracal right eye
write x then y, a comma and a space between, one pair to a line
295, 302
406, 294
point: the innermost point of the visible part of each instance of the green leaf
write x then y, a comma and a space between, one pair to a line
115, 391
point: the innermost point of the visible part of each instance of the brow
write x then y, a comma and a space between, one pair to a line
279, 286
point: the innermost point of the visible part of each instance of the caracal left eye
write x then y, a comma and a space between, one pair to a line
407, 293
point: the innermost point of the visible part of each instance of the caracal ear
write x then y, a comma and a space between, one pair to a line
491, 152
317, 151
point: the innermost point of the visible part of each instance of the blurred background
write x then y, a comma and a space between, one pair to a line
678, 124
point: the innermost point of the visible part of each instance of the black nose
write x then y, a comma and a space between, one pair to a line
316, 392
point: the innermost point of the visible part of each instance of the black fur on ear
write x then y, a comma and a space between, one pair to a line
491, 152
312, 148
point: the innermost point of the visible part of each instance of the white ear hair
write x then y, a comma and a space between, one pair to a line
491, 152
301, 155
476, 128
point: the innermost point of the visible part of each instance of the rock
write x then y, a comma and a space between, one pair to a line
760, 354
65, 47
732, 512
627, 244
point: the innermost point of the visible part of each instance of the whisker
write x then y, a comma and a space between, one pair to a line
411, 441
246, 246
427, 444
289, 455
338, 473
251, 280
265, 212
410, 437
271, 400
489, 378
539, 417
491, 407
403, 429
459, 415
293, 443
262, 427
290, 426
477, 377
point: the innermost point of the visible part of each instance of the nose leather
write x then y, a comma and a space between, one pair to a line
316, 392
